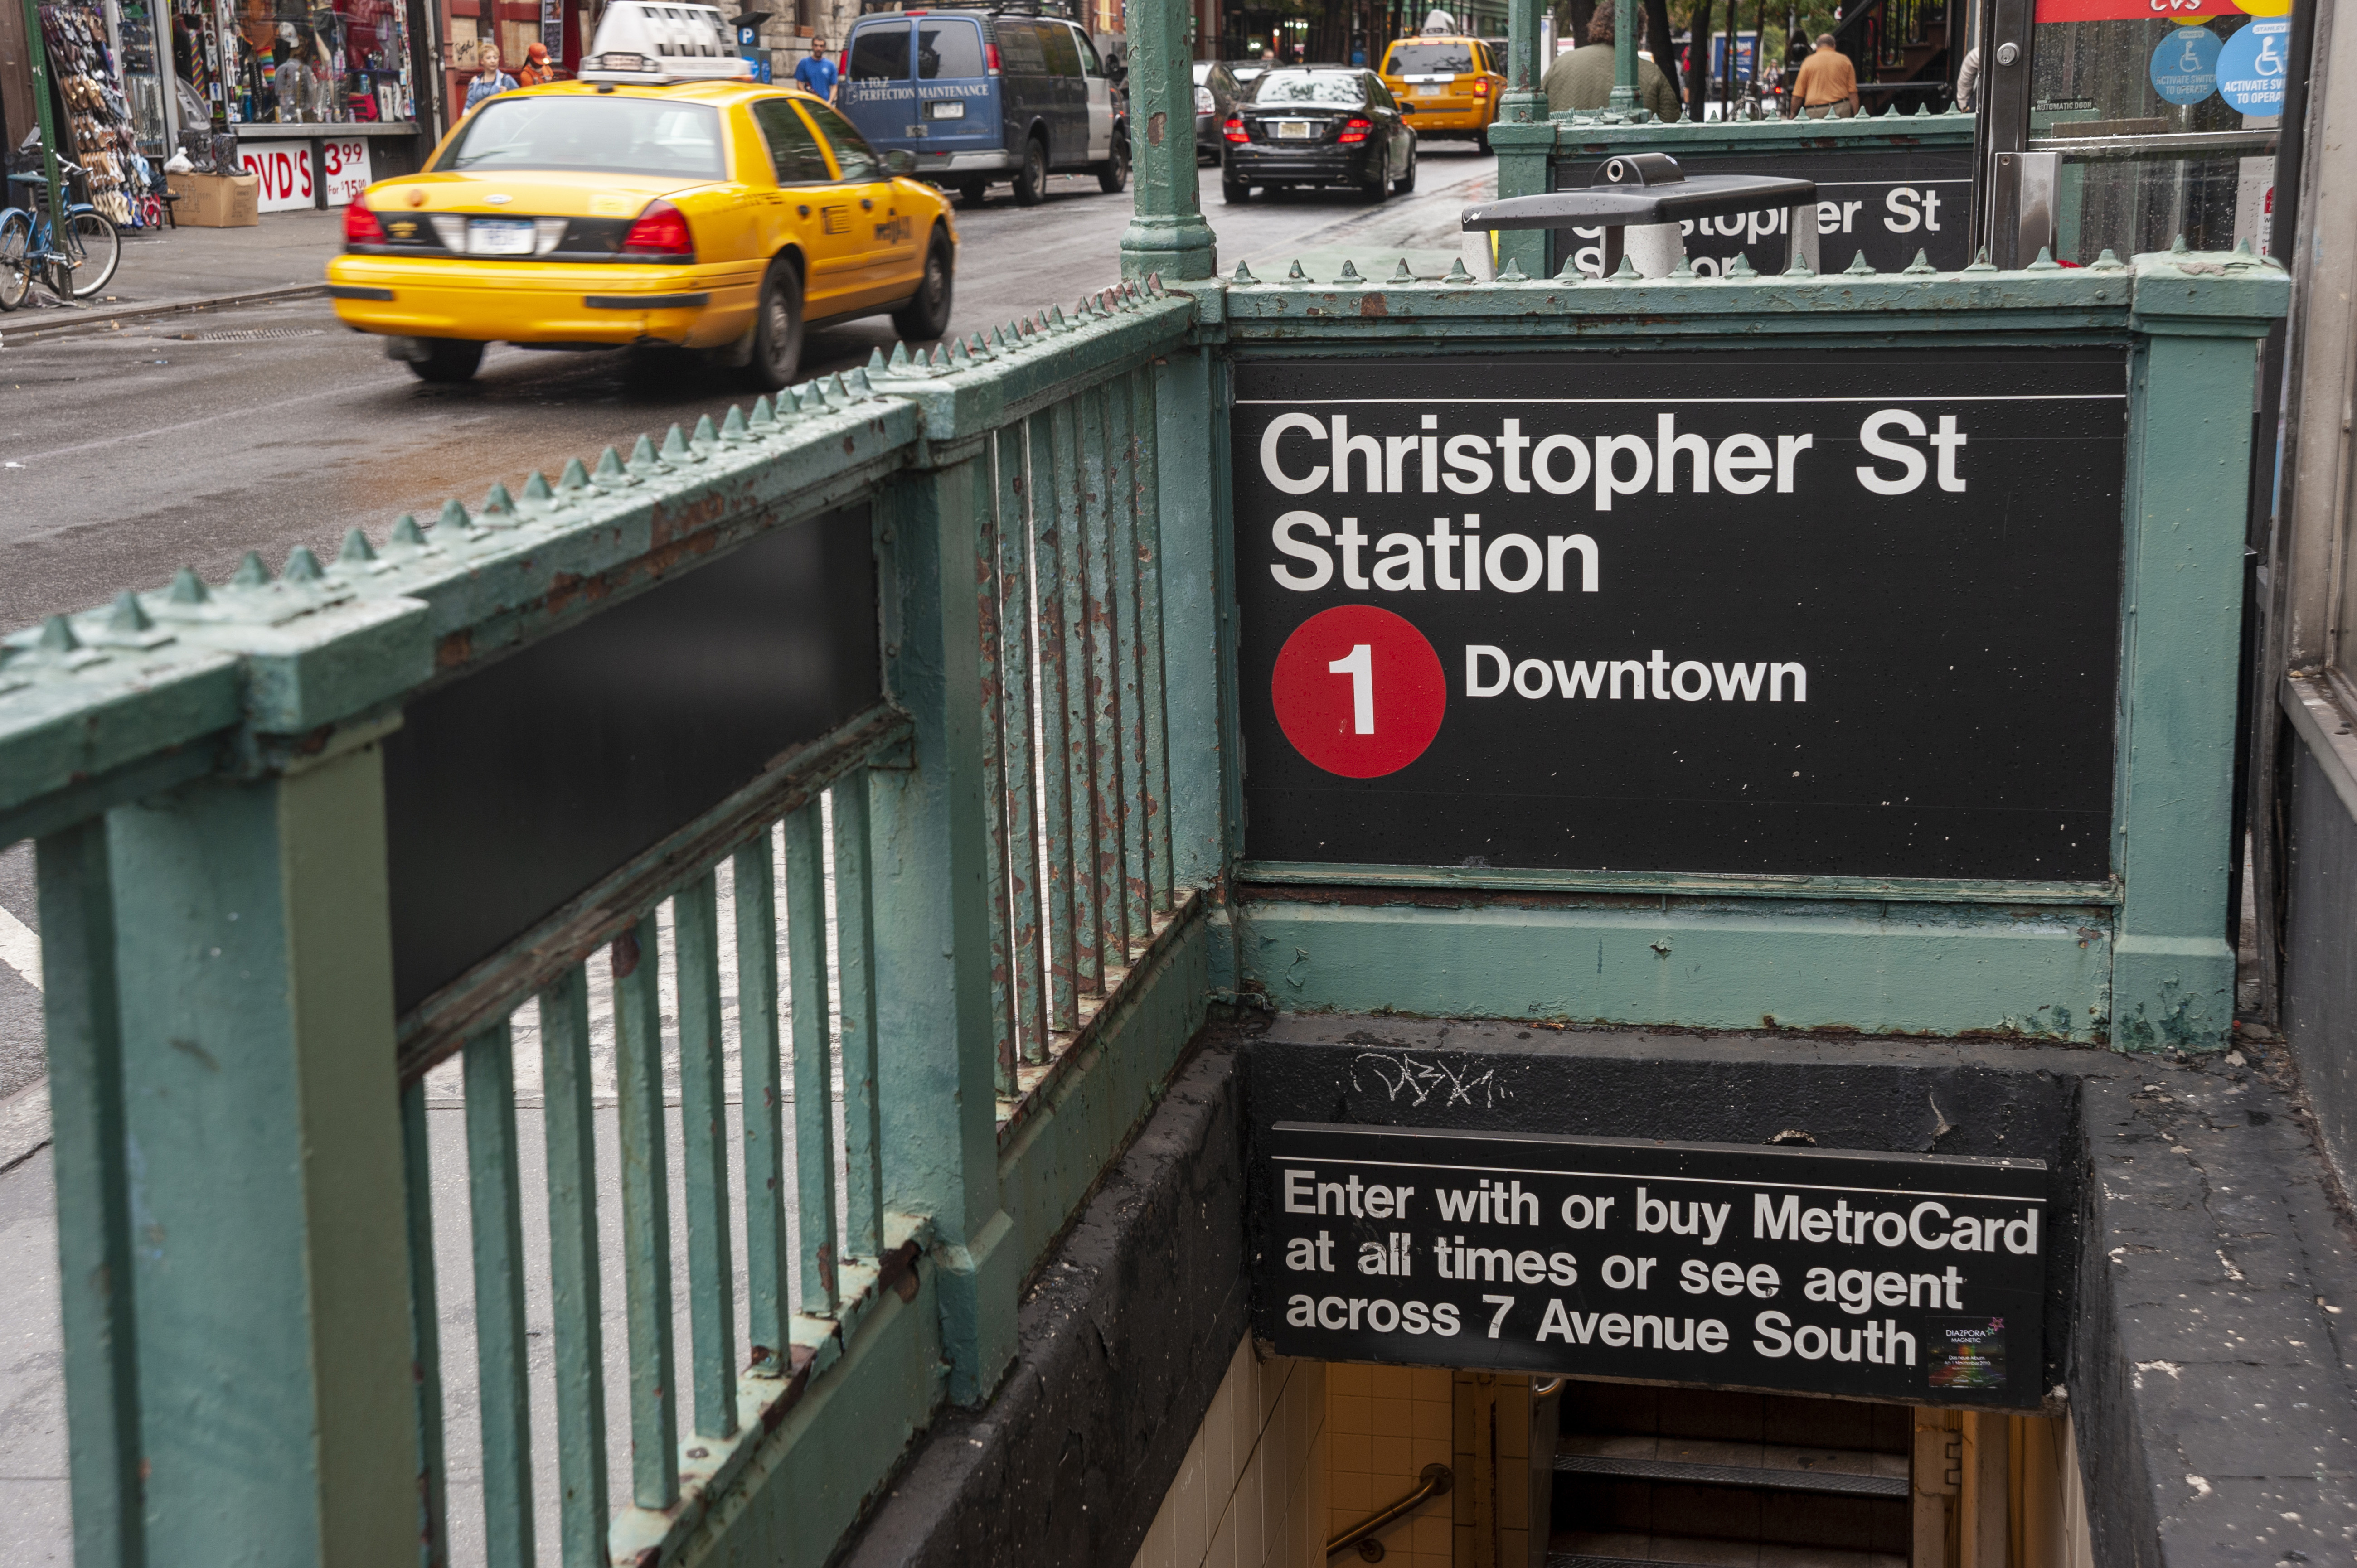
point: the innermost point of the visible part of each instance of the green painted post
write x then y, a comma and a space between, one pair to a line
932, 924
578, 1341
94, 1269
37, 51
646, 1214
2188, 473
1624, 56
1198, 620
502, 1354
1523, 101
1166, 233
270, 1267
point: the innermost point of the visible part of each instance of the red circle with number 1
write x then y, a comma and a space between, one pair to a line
1358, 691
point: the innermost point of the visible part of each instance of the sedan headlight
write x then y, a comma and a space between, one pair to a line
1204, 103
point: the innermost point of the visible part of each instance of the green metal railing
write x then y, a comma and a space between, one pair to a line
805, 1023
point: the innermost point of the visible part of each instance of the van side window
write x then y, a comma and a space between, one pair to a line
1019, 49
858, 159
794, 150
1063, 54
1090, 64
950, 48
879, 52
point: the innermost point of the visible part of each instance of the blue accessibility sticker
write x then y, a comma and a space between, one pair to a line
2185, 66
2253, 67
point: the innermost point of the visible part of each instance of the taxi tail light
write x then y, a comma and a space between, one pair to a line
1481, 87
1235, 129
1355, 130
661, 229
990, 57
360, 227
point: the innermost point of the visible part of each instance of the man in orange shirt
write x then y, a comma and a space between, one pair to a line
1827, 84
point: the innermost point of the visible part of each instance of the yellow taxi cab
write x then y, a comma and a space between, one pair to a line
1446, 85
664, 198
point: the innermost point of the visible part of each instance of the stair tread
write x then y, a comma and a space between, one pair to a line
1773, 1477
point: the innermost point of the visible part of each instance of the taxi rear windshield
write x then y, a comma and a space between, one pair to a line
1333, 89
1432, 60
591, 136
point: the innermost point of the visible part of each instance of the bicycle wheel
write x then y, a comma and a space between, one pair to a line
93, 249
16, 247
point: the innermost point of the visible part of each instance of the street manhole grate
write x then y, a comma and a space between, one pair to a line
247, 335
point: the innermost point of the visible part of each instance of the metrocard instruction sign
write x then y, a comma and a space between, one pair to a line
1797, 612
1912, 1278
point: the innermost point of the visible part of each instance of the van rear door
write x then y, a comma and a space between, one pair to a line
876, 93
957, 98
1068, 122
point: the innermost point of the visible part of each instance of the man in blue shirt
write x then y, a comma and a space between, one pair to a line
817, 73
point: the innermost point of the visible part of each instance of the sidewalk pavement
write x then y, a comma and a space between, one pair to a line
180, 269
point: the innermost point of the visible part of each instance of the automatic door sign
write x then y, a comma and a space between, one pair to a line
2185, 65
1904, 1277
2253, 67
1742, 612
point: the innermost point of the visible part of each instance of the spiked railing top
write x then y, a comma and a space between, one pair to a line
168, 683
2108, 293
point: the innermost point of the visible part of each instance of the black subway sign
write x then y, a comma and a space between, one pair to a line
1915, 1278
1747, 611
1887, 204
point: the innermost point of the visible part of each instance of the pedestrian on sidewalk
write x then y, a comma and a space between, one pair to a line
816, 75
536, 66
1828, 82
490, 80
1583, 77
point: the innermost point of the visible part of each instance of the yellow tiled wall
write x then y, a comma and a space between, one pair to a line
1384, 1425
1251, 1490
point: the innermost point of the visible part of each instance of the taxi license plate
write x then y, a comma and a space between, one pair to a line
501, 236
1294, 130
1432, 91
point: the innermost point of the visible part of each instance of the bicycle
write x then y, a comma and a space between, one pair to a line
74, 266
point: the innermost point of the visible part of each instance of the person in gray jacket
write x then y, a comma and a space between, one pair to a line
1583, 77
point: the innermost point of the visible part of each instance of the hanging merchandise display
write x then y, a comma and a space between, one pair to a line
299, 62
197, 62
137, 51
98, 133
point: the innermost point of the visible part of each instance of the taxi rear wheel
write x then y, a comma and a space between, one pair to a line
447, 360
927, 315
778, 326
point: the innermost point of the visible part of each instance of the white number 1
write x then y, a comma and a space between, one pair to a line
1360, 668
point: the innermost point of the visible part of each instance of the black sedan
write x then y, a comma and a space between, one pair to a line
1318, 125
1219, 86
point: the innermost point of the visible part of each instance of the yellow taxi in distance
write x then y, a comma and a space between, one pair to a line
714, 214
1446, 85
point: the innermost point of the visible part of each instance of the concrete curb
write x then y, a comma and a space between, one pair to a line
24, 1124
87, 319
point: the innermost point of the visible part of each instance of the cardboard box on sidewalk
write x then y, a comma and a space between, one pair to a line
217, 201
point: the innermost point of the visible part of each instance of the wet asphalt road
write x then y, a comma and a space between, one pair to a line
190, 440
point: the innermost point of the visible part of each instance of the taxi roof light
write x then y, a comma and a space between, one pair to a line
640, 42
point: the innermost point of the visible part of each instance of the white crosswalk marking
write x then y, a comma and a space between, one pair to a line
20, 948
